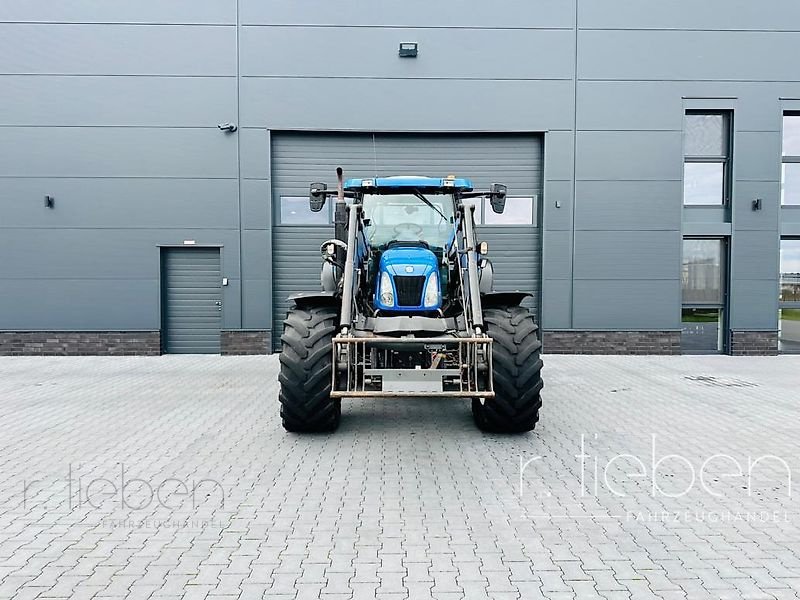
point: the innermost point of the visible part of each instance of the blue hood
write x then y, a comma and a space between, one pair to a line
396, 261
407, 261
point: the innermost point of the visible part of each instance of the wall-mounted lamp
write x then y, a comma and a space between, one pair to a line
227, 127
408, 50
49, 202
757, 204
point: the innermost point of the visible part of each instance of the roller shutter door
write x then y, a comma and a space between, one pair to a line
191, 298
301, 158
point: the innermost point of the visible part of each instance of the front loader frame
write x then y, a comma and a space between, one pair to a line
355, 376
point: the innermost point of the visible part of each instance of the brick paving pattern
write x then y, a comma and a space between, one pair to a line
170, 477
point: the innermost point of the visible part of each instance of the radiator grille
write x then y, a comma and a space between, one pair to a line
409, 289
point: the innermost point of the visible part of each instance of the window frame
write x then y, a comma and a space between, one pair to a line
785, 304
788, 159
723, 341
725, 159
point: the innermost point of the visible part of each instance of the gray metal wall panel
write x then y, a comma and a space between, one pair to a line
625, 105
629, 155
654, 105
689, 14
394, 105
558, 263
255, 263
255, 311
627, 304
557, 206
634, 255
628, 205
559, 158
131, 101
119, 203
299, 158
120, 11
370, 52
117, 49
556, 303
79, 304
686, 55
755, 256
116, 152
255, 204
191, 299
504, 13
754, 304
254, 153
744, 215
757, 155
101, 253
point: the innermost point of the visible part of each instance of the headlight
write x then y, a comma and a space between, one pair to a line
432, 291
386, 292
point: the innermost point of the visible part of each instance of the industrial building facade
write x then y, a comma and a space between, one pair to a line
155, 159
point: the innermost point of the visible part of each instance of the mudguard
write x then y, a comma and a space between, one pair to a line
307, 299
503, 298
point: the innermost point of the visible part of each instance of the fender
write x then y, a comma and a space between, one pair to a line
503, 298
309, 299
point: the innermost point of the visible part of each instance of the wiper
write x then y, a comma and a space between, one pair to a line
419, 195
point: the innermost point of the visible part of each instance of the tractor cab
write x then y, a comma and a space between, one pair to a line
410, 230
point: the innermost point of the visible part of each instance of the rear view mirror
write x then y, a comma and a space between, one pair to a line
317, 196
497, 197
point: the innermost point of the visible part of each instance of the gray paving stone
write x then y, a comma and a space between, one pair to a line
407, 500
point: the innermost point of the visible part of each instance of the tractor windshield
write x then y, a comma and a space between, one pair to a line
407, 218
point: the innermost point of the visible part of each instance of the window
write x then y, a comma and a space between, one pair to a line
520, 210
706, 162
295, 210
703, 283
790, 178
789, 299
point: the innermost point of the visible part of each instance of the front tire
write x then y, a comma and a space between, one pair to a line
306, 370
517, 367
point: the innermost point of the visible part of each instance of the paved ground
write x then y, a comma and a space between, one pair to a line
171, 477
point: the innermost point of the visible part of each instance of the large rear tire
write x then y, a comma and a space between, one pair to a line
517, 372
306, 370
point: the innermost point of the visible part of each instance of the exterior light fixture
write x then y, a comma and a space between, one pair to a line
227, 127
49, 202
757, 204
408, 50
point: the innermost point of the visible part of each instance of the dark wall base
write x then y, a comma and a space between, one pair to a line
78, 343
245, 342
754, 343
611, 342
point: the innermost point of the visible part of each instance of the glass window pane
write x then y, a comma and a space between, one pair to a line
518, 211
296, 211
791, 135
789, 330
701, 272
478, 204
705, 135
701, 331
703, 183
790, 271
790, 184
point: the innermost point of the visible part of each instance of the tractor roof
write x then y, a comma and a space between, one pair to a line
398, 184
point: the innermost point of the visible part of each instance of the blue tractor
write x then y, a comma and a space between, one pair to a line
407, 309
